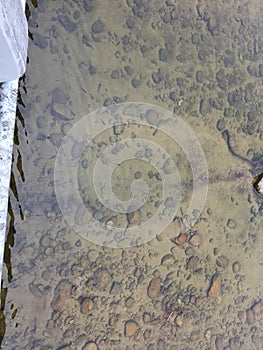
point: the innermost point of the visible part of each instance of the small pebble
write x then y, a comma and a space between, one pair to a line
152, 117
134, 217
231, 223
128, 70
65, 127
195, 240
86, 305
39, 41
250, 317
129, 302
135, 83
62, 111
90, 346
215, 288
46, 275
41, 122
146, 317
41, 137
167, 259
102, 278
236, 267
163, 55
222, 261
130, 23
181, 239
208, 334
195, 336
168, 166
115, 74
192, 262
97, 27
189, 251
219, 343
199, 76
137, 175
113, 320
66, 23
35, 290
130, 328
257, 308
61, 295
220, 124
156, 77
118, 129
154, 288
179, 321
110, 224
234, 344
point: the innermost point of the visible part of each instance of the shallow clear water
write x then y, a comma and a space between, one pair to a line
196, 284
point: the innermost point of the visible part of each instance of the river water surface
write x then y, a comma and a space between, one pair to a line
196, 284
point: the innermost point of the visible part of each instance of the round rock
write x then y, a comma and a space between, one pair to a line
167, 259
130, 328
90, 346
154, 288
152, 117
222, 261
97, 27
102, 279
236, 267
195, 240
86, 305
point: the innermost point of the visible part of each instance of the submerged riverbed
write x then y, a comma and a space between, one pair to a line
194, 285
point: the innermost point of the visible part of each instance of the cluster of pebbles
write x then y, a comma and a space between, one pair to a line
191, 287
165, 292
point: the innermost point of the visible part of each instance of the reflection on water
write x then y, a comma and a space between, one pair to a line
193, 286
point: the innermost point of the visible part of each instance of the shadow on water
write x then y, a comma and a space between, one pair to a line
10, 237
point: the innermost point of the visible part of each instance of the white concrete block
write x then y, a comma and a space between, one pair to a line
13, 39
